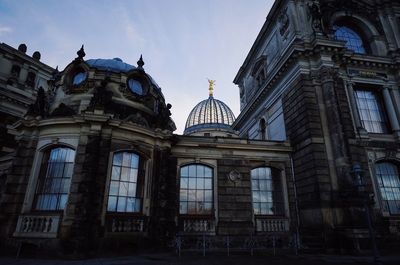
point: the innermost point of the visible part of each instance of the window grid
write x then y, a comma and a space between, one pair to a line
371, 111
266, 192
54, 179
352, 39
196, 190
389, 185
123, 195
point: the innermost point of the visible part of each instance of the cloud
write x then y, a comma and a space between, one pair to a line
5, 29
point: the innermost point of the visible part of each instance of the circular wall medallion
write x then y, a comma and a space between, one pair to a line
234, 175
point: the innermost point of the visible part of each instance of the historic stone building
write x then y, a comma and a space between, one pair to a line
324, 75
95, 163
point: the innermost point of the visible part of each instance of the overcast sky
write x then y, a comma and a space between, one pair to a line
183, 42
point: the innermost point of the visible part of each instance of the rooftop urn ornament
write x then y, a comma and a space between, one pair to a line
211, 84
140, 63
81, 53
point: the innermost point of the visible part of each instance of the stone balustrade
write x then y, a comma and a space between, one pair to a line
38, 226
198, 225
119, 224
272, 225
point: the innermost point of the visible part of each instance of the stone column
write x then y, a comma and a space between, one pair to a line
395, 93
394, 122
353, 103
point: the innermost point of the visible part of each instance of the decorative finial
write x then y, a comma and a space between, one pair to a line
140, 63
211, 87
81, 53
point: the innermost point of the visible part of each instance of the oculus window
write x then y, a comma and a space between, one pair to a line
79, 78
370, 108
196, 190
136, 87
266, 192
54, 179
389, 185
353, 39
123, 194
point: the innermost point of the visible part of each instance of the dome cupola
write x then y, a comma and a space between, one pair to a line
210, 116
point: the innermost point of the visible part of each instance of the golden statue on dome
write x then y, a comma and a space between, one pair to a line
211, 87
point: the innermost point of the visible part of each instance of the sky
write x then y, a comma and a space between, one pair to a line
183, 42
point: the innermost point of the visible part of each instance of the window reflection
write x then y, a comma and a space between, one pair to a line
352, 39
79, 78
266, 192
123, 193
196, 191
389, 184
371, 111
54, 179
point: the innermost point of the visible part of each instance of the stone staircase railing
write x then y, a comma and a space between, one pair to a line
272, 224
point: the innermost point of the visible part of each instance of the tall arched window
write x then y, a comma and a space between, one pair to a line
267, 192
125, 194
389, 185
353, 39
54, 179
196, 190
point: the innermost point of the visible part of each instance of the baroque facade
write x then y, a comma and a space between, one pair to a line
92, 160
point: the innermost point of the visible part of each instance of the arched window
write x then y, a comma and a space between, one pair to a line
196, 190
125, 193
353, 39
266, 192
54, 179
387, 175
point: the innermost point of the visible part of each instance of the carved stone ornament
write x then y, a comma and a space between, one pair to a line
234, 175
316, 16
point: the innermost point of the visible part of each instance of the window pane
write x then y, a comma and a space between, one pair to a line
184, 183
126, 159
125, 173
116, 172
123, 189
63, 201
192, 171
114, 188
117, 159
135, 161
131, 204
200, 183
207, 183
132, 189
112, 203
200, 171
183, 208
121, 206
133, 175
192, 183
184, 171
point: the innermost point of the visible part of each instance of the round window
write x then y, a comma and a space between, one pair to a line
79, 78
135, 86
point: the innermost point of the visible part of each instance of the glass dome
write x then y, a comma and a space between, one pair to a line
209, 114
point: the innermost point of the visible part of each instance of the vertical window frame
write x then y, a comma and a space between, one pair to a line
365, 110
139, 184
190, 177
256, 182
63, 190
385, 185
